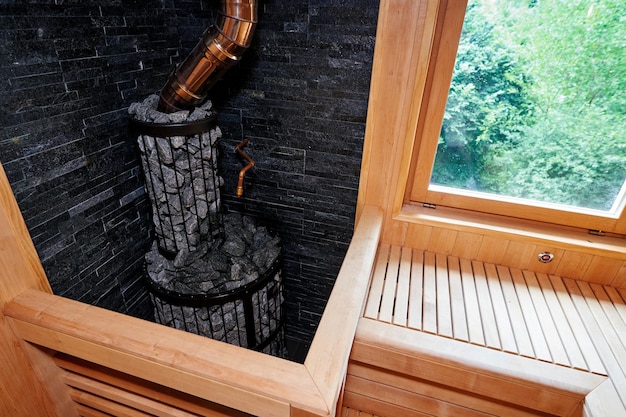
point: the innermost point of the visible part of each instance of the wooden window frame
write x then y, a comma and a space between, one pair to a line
404, 43
433, 97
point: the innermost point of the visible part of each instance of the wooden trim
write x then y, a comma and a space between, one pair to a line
24, 371
517, 230
434, 97
327, 359
74, 368
403, 39
513, 379
429, 398
234, 377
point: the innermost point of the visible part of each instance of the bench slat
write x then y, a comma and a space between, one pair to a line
617, 300
505, 329
522, 338
608, 328
594, 363
540, 345
429, 303
444, 311
557, 350
611, 311
487, 314
596, 331
457, 303
472, 310
389, 289
557, 321
568, 340
378, 280
402, 291
416, 291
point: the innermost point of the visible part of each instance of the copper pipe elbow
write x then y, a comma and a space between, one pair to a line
221, 47
242, 172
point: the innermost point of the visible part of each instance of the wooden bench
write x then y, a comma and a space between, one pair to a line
443, 336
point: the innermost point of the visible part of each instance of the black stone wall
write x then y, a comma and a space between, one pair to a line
70, 68
300, 95
68, 71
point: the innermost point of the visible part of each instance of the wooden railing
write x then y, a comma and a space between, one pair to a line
89, 361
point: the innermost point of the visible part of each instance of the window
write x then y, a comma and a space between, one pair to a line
533, 126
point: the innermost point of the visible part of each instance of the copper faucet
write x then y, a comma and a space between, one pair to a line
245, 169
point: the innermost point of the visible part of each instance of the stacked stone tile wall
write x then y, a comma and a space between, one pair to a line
301, 96
68, 71
70, 68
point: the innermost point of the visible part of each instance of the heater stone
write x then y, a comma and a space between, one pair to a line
213, 274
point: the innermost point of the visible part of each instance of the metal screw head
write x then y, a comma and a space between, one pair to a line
545, 257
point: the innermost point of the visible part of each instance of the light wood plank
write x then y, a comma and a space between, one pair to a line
416, 290
574, 265
85, 411
400, 315
472, 309
20, 269
594, 363
551, 334
105, 405
610, 310
505, 329
444, 312
429, 305
442, 240
608, 330
488, 319
540, 345
389, 289
238, 378
596, 327
144, 388
457, 302
619, 281
520, 331
126, 398
602, 270
436, 391
604, 401
495, 374
492, 249
520, 255
568, 340
327, 359
377, 407
378, 281
467, 245
409, 399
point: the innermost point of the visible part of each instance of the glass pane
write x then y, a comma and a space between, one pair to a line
537, 105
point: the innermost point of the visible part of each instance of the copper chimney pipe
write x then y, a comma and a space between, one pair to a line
221, 47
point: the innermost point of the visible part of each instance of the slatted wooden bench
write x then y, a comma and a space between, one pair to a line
443, 336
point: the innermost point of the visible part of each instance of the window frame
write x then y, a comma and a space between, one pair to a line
432, 102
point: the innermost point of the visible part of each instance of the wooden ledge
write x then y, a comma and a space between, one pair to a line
478, 370
516, 229
237, 378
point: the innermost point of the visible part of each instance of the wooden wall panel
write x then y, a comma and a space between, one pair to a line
483, 247
23, 393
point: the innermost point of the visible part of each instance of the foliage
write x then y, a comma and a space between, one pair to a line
537, 105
